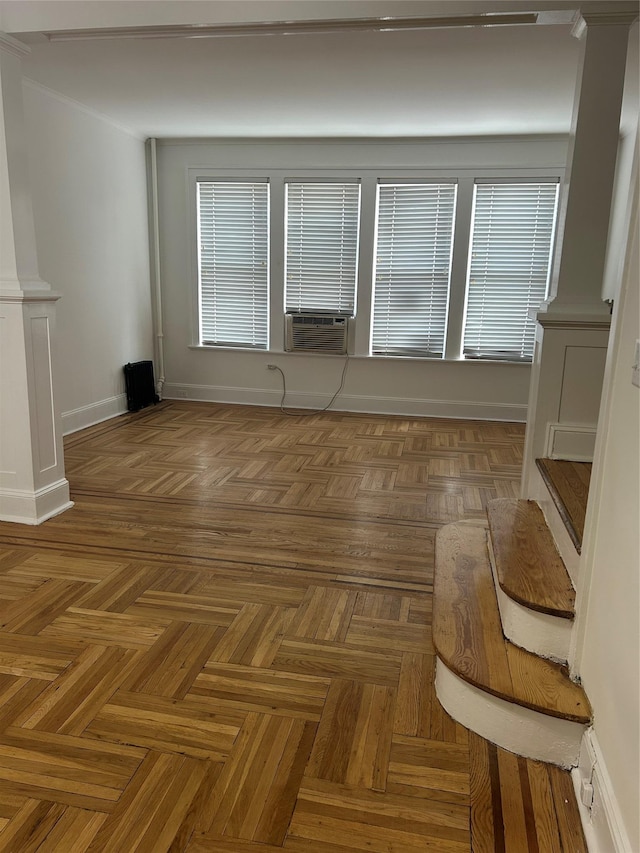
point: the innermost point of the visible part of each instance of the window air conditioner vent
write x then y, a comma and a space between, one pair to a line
316, 333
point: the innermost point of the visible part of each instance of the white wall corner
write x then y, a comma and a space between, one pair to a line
600, 814
65, 99
93, 413
24, 506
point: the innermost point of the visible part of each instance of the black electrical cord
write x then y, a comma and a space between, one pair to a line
310, 411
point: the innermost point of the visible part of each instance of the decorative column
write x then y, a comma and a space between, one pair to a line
573, 325
32, 482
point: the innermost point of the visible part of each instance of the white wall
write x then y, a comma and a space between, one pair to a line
608, 660
90, 211
411, 386
619, 222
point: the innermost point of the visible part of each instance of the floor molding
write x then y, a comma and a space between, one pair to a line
93, 413
459, 409
23, 506
602, 821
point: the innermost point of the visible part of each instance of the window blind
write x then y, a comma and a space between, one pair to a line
233, 269
322, 223
412, 268
508, 273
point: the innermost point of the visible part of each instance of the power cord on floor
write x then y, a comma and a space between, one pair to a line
310, 411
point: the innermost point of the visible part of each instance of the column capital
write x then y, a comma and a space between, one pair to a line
30, 296
605, 18
10, 45
573, 320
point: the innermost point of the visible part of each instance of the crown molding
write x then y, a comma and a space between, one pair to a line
10, 45
359, 141
586, 19
65, 99
267, 28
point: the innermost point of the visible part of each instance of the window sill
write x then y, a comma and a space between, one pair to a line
390, 358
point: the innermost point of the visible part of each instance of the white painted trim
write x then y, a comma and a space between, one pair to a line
27, 290
458, 409
510, 726
94, 413
154, 251
24, 506
574, 442
539, 492
603, 824
544, 635
11, 45
573, 317
71, 102
359, 142
294, 27
596, 486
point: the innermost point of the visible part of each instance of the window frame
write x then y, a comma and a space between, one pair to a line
508, 181
369, 177
440, 182
317, 181
200, 332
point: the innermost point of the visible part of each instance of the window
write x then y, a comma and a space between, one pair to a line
440, 264
512, 236
412, 268
233, 269
322, 223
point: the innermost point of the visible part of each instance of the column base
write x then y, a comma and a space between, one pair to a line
24, 506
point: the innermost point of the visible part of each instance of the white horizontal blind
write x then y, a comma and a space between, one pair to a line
412, 268
322, 221
233, 269
508, 274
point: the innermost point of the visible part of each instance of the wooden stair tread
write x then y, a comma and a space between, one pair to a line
467, 633
568, 484
530, 569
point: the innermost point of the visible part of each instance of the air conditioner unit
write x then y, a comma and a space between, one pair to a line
308, 332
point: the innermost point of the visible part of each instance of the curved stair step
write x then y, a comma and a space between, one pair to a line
568, 485
530, 569
509, 683
534, 590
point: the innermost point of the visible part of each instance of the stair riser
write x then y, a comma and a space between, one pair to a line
512, 727
540, 633
538, 492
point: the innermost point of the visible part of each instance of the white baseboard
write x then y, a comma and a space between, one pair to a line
572, 442
464, 410
93, 413
23, 506
602, 822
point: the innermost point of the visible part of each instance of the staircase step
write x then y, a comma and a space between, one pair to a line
468, 638
529, 567
568, 484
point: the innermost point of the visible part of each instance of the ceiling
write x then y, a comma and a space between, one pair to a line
434, 82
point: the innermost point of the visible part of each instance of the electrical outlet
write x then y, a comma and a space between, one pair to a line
181, 392
586, 793
271, 367
635, 370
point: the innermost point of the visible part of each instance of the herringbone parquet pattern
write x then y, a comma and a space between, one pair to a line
225, 646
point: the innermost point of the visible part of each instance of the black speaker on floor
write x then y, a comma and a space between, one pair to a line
140, 385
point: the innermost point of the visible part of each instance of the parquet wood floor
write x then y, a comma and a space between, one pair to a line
225, 646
